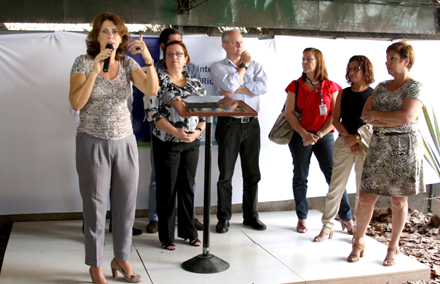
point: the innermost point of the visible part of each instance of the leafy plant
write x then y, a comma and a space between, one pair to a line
432, 154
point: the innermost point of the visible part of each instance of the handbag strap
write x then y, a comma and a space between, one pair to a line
296, 95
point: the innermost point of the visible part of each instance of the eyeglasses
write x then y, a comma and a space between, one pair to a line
178, 54
355, 69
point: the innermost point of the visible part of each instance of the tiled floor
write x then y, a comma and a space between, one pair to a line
53, 252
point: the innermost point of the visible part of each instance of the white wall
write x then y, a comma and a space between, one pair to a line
37, 144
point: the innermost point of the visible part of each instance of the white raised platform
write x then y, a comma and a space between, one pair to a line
53, 252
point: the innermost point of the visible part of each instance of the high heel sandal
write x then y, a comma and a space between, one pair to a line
354, 257
319, 238
391, 261
301, 228
135, 278
93, 280
350, 231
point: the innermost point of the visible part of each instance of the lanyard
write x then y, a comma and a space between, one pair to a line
320, 93
322, 106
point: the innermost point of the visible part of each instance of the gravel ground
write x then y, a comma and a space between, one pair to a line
420, 239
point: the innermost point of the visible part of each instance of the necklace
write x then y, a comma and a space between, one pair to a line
313, 83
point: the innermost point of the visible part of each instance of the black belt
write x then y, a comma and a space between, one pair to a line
245, 119
381, 133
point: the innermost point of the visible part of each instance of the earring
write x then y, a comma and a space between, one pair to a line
120, 42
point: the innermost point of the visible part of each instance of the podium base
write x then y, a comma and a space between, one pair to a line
205, 264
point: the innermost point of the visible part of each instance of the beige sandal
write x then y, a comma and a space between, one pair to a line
391, 261
319, 238
354, 257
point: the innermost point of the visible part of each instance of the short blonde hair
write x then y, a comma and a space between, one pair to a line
405, 51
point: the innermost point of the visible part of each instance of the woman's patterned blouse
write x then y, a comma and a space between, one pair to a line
156, 107
384, 100
106, 114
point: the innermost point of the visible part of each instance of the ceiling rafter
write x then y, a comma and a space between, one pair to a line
185, 6
413, 3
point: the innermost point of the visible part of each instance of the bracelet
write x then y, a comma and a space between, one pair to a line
358, 138
319, 133
199, 129
149, 64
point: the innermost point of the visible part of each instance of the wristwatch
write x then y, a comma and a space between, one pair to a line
319, 133
242, 66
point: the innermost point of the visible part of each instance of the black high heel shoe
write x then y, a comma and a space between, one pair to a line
196, 242
169, 246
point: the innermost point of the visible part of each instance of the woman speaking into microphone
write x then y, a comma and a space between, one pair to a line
106, 149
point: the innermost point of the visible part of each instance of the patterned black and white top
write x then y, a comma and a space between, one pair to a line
157, 107
394, 163
106, 114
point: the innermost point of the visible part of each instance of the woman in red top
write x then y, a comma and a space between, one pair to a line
313, 127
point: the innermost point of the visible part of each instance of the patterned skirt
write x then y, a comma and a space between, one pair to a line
394, 165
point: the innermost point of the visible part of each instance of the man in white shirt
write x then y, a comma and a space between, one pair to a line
239, 78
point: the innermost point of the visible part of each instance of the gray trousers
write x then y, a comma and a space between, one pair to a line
107, 168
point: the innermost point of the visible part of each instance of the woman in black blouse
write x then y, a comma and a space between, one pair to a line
176, 147
352, 143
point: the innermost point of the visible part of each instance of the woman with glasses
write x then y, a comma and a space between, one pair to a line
176, 147
106, 150
310, 113
353, 140
394, 163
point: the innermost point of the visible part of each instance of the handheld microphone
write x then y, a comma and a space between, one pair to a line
107, 60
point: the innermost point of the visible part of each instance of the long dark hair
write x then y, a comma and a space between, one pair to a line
165, 35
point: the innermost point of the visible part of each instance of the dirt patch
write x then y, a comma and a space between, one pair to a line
420, 238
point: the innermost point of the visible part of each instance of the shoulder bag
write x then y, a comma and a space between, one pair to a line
281, 132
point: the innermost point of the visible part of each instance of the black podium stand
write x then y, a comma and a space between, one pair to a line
207, 262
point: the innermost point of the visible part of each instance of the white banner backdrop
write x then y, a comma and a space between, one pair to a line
37, 144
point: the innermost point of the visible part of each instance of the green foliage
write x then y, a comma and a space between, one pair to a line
432, 146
